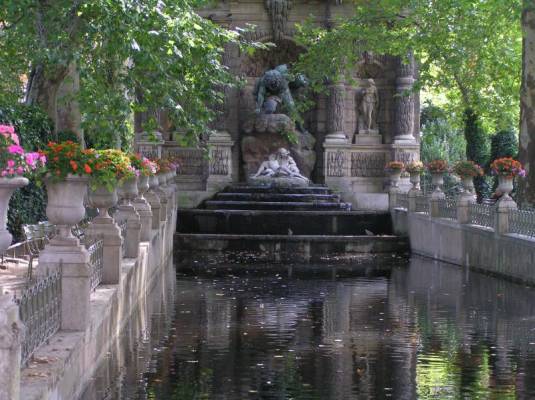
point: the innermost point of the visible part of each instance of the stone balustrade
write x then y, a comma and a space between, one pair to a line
75, 283
497, 238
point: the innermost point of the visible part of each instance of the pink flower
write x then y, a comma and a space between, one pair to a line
7, 129
15, 138
15, 149
31, 159
10, 163
20, 170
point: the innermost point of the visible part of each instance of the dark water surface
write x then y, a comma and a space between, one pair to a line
368, 330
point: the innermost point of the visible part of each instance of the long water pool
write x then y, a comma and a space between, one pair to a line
371, 328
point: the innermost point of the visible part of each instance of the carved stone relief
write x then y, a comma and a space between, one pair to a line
335, 163
278, 11
368, 165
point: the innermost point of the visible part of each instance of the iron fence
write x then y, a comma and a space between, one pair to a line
522, 222
447, 208
482, 215
422, 204
95, 247
40, 311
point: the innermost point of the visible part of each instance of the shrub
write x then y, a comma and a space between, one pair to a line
28, 204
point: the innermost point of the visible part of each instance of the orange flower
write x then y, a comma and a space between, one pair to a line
87, 169
74, 166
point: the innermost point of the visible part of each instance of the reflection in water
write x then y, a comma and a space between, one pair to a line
370, 331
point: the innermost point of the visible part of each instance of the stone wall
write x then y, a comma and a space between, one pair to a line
507, 255
65, 365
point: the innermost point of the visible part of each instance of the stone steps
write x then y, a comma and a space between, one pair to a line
282, 222
315, 189
274, 205
279, 197
291, 247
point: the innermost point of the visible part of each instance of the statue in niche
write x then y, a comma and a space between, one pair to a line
273, 92
368, 108
280, 165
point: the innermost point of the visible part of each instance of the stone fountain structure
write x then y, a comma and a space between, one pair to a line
343, 141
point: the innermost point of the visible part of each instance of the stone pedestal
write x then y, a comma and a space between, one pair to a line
68, 254
220, 168
162, 195
155, 205
368, 137
144, 211
11, 334
107, 230
127, 212
503, 207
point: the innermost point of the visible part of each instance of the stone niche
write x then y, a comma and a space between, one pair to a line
265, 134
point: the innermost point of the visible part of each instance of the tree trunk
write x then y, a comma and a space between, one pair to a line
43, 90
69, 118
527, 104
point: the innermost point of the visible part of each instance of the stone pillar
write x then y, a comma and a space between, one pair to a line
106, 229
503, 207
144, 211
154, 202
162, 195
220, 171
336, 167
68, 254
463, 206
405, 102
11, 335
412, 196
335, 115
127, 212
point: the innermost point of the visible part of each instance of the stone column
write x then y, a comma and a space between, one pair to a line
220, 171
106, 229
162, 195
503, 207
126, 212
68, 254
11, 335
405, 102
154, 201
335, 115
144, 211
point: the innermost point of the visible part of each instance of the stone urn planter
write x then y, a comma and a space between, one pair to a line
65, 206
505, 184
395, 176
153, 182
7, 187
127, 190
162, 179
437, 179
102, 199
415, 180
142, 186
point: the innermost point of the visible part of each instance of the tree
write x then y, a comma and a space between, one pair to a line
469, 50
527, 104
118, 47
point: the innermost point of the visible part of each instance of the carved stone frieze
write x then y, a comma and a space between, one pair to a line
335, 163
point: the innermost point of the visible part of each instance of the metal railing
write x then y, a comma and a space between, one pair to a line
402, 201
482, 215
447, 208
522, 222
95, 247
422, 204
122, 227
40, 311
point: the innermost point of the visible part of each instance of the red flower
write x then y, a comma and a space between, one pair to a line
87, 169
74, 166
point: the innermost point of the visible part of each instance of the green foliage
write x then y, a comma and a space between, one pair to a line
28, 204
504, 144
135, 55
477, 149
441, 140
470, 51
